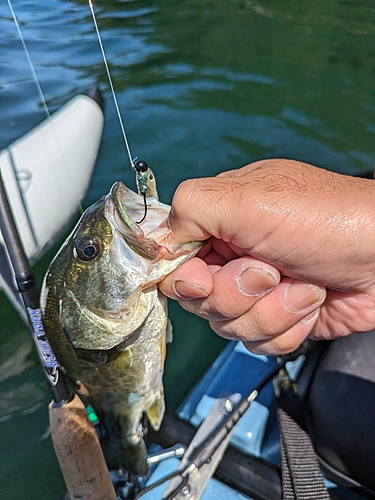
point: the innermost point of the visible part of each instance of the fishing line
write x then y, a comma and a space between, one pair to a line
42, 98
136, 165
35, 78
111, 84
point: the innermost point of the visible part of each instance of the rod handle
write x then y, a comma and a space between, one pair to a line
79, 452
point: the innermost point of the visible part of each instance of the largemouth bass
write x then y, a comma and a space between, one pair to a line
106, 320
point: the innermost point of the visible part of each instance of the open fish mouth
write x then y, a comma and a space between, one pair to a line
123, 207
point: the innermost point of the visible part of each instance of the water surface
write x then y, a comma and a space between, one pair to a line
203, 86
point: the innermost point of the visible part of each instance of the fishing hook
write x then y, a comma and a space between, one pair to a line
141, 171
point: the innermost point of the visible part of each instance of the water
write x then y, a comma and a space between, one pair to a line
203, 86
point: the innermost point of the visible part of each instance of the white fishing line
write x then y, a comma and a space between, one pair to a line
41, 96
111, 84
35, 78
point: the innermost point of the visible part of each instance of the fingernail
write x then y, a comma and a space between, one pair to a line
254, 281
310, 317
186, 291
300, 296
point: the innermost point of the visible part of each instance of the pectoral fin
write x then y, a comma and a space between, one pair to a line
155, 412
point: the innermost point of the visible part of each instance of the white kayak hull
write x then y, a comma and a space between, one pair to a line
47, 172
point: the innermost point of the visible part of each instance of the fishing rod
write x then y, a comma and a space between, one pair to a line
27, 287
75, 440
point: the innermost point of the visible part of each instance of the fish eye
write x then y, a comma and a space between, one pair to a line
87, 249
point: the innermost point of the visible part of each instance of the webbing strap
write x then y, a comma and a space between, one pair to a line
301, 475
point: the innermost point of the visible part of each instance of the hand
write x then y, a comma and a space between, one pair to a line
290, 254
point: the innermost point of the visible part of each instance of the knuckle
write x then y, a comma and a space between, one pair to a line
273, 347
237, 329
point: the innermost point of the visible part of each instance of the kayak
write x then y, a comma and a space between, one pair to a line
46, 174
245, 470
47, 171
248, 465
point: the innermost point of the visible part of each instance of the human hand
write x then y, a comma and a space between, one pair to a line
290, 254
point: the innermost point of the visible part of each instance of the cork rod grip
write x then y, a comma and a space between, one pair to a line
79, 453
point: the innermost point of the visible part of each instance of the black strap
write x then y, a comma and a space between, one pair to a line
301, 475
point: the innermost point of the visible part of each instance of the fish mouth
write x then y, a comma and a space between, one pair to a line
123, 206
120, 203
152, 242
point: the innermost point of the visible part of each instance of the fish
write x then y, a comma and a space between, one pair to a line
106, 320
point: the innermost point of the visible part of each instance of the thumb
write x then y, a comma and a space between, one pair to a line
202, 208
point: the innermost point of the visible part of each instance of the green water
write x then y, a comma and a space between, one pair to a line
203, 86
